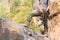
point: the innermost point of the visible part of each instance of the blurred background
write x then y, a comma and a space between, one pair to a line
17, 11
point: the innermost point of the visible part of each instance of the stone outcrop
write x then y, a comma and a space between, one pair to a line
54, 22
13, 31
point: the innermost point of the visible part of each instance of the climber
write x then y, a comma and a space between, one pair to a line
40, 7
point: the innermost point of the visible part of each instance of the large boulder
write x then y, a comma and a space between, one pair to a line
13, 31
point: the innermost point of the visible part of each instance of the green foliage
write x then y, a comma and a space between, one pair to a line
21, 11
4, 12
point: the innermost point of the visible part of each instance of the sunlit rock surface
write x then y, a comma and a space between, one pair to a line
54, 22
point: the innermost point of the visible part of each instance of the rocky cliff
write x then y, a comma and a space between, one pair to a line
54, 22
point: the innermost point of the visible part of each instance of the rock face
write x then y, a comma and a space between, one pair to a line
13, 31
54, 22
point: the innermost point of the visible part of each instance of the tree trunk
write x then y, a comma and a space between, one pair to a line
54, 20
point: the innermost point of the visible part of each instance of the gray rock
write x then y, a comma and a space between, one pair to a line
12, 31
